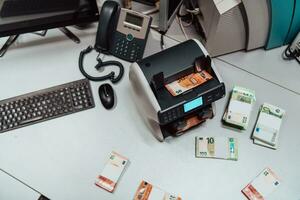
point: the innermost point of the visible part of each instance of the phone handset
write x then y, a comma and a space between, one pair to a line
107, 24
108, 17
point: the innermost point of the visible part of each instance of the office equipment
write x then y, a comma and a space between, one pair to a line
281, 18
122, 32
83, 11
258, 21
293, 50
11, 8
165, 114
294, 27
223, 26
106, 26
45, 104
106, 94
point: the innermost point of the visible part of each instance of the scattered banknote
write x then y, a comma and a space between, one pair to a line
266, 131
147, 191
112, 172
188, 82
262, 186
217, 147
240, 106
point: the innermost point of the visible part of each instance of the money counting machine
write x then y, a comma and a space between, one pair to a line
171, 115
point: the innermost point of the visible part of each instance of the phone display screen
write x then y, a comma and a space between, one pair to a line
134, 19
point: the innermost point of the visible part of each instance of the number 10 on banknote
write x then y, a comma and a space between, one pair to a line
216, 147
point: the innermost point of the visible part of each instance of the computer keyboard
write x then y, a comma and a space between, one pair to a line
45, 104
25, 7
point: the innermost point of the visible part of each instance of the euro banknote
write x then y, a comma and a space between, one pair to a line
216, 147
146, 191
268, 125
239, 108
262, 186
188, 82
112, 172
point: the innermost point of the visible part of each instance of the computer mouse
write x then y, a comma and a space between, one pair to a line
107, 96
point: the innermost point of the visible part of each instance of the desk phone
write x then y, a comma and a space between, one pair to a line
122, 32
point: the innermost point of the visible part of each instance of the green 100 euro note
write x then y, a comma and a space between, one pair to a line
268, 124
240, 106
217, 147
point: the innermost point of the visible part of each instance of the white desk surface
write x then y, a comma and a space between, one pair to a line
13, 189
268, 65
62, 157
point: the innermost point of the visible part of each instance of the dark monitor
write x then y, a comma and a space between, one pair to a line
23, 16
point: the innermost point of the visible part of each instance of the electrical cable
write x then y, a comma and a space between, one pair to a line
181, 27
290, 55
111, 76
196, 11
287, 54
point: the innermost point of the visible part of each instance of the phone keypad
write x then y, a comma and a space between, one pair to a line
127, 49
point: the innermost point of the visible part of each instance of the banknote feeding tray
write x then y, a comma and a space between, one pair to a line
150, 75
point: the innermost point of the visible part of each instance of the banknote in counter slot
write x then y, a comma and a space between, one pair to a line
188, 82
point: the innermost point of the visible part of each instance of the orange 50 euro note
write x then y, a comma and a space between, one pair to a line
188, 82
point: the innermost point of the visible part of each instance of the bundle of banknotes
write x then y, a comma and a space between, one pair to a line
147, 191
188, 82
266, 131
216, 147
262, 186
239, 108
112, 172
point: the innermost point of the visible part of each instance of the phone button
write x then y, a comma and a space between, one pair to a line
129, 37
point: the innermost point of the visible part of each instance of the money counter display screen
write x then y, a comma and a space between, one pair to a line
193, 104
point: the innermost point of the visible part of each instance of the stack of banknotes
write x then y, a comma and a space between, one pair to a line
216, 147
262, 186
266, 131
240, 106
112, 172
147, 191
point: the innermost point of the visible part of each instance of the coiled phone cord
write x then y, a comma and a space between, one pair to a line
111, 76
